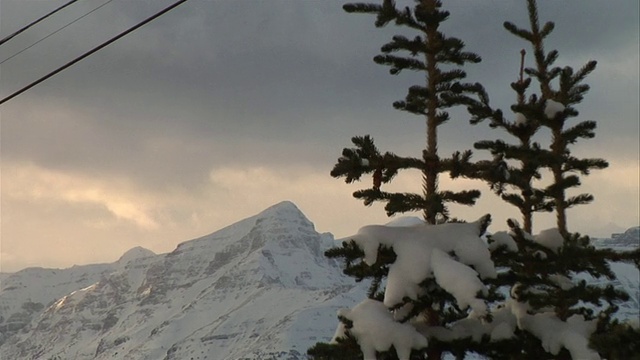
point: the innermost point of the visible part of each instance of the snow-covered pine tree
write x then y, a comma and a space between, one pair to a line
427, 254
559, 315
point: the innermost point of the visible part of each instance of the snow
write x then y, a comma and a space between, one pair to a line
555, 334
501, 327
376, 330
540, 254
416, 259
502, 238
404, 221
634, 323
552, 108
137, 252
460, 281
562, 281
550, 238
521, 120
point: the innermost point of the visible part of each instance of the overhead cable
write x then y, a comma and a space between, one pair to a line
51, 34
94, 50
9, 37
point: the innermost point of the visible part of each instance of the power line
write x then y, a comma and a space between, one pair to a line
9, 37
94, 50
53, 33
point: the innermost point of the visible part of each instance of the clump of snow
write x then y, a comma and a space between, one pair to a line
341, 332
633, 323
502, 331
554, 333
562, 281
417, 259
572, 334
521, 120
406, 221
375, 330
552, 108
517, 225
540, 254
364, 162
501, 327
460, 281
550, 238
502, 238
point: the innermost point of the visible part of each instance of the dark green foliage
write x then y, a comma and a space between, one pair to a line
532, 268
523, 160
350, 253
440, 58
527, 153
615, 341
347, 348
570, 91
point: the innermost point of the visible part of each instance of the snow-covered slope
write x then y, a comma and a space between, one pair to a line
627, 275
628, 239
25, 294
257, 289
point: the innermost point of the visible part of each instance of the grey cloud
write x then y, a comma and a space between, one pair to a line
258, 82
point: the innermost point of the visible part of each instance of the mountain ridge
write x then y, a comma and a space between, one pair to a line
235, 293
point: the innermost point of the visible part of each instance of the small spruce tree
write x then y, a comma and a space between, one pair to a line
547, 273
527, 153
557, 111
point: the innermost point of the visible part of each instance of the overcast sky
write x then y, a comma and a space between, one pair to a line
220, 109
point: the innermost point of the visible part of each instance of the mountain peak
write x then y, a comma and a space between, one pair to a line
284, 205
137, 252
283, 214
282, 209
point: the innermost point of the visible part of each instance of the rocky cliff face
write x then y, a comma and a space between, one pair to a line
258, 289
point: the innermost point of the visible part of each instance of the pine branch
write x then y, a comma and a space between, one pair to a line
398, 63
584, 129
399, 43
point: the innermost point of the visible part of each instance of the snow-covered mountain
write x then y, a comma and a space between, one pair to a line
258, 289
629, 238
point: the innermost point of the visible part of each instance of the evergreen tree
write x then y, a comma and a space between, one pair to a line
528, 153
440, 58
558, 109
546, 273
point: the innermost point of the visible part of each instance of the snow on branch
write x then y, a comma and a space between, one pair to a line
550, 238
422, 252
552, 108
502, 239
555, 334
376, 330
